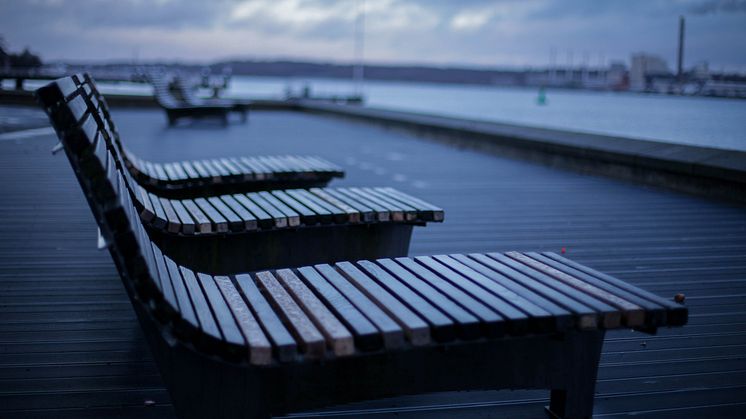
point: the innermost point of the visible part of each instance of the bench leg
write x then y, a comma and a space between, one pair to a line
574, 398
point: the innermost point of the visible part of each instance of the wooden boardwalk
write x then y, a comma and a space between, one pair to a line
70, 345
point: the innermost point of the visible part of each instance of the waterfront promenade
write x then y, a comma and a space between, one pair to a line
70, 345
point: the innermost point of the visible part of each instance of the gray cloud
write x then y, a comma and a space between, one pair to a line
715, 6
467, 32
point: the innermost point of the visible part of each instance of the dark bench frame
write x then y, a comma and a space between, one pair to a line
230, 252
208, 379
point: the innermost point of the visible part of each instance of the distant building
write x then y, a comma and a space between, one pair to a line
646, 70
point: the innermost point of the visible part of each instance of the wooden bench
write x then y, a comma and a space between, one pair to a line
185, 179
257, 230
188, 95
177, 108
254, 344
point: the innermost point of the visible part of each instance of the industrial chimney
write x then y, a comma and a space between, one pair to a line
680, 60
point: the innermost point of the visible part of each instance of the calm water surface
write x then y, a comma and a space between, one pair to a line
709, 122
702, 121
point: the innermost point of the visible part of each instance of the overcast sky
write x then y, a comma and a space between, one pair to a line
512, 33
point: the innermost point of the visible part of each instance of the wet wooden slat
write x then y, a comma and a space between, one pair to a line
245, 216
186, 311
264, 219
382, 213
310, 339
634, 315
207, 322
174, 224
327, 212
491, 322
307, 216
392, 333
235, 223
414, 327
366, 213
221, 313
537, 317
160, 219
189, 170
608, 317
427, 211
366, 335
293, 217
220, 223
187, 223
338, 338
283, 344
352, 215
442, 328
203, 223
260, 350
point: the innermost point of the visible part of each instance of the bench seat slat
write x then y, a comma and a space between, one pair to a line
204, 225
442, 328
478, 287
305, 332
181, 174
174, 224
248, 219
429, 211
367, 214
235, 223
320, 206
414, 327
264, 219
539, 318
382, 213
338, 338
491, 322
587, 318
410, 213
352, 215
246, 171
187, 222
633, 314
189, 170
207, 322
365, 334
260, 349
562, 317
260, 172
279, 218
220, 223
269, 201
170, 171
222, 314
215, 172
396, 211
676, 314
283, 343
148, 212
197, 165
608, 317
218, 165
186, 312
160, 221
307, 216
393, 335
232, 170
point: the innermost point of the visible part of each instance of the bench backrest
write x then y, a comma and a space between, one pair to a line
104, 185
162, 92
